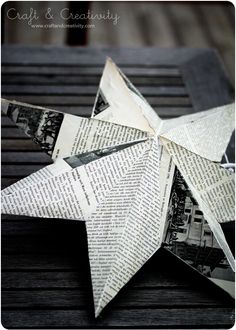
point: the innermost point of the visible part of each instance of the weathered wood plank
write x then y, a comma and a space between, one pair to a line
40, 262
5, 182
206, 83
158, 318
13, 132
43, 245
77, 298
56, 79
91, 71
85, 90
19, 145
19, 170
67, 56
14, 157
40, 227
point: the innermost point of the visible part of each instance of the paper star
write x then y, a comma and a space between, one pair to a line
115, 172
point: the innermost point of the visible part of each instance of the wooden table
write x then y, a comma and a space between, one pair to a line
45, 268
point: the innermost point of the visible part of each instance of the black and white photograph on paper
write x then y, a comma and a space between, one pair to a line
188, 235
101, 103
82, 159
41, 125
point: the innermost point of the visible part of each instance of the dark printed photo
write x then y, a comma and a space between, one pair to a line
41, 125
188, 235
101, 103
82, 159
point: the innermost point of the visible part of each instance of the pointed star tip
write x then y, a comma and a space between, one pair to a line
109, 59
98, 310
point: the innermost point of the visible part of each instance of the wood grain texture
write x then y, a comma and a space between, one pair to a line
92, 57
45, 269
163, 318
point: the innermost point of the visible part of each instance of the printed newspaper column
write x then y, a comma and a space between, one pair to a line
125, 230
72, 194
91, 134
200, 135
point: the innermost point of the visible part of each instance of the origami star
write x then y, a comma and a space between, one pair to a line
115, 171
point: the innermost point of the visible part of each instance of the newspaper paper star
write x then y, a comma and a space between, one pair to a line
115, 171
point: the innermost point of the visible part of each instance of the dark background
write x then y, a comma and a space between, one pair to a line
141, 24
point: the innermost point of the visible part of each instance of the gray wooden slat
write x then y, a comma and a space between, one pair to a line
39, 227
206, 83
158, 318
46, 279
19, 170
67, 56
41, 262
19, 145
78, 70
56, 79
14, 132
85, 90
5, 182
25, 157
35, 243
77, 298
